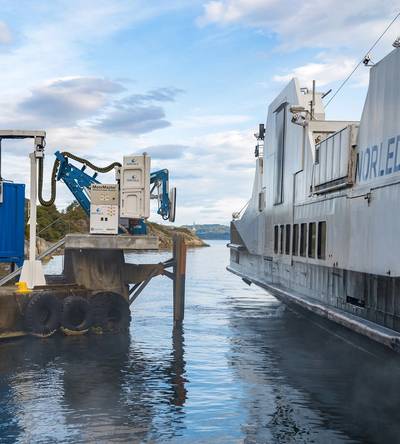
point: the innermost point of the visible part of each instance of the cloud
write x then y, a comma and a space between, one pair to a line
222, 165
69, 100
90, 101
5, 34
205, 121
138, 113
166, 151
306, 24
167, 94
133, 120
323, 73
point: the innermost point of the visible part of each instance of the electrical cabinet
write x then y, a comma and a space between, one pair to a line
135, 187
12, 223
104, 199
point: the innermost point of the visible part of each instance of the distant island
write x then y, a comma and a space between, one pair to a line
210, 231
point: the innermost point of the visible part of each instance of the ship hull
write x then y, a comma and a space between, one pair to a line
330, 293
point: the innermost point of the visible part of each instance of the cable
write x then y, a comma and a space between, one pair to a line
359, 63
48, 203
105, 169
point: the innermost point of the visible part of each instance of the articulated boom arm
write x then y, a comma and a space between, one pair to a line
77, 181
159, 179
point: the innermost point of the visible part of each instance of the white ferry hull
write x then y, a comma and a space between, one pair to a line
321, 226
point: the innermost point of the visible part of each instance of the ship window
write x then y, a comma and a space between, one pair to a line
295, 243
312, 237
321, 240
317, 154
280, 124
276, 239
281, 239
303, 239
261, 201
287, 244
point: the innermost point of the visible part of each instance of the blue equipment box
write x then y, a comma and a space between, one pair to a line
12, 223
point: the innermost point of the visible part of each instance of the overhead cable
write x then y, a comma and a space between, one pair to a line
362, 59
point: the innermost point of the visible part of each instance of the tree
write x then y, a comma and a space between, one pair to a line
53, 225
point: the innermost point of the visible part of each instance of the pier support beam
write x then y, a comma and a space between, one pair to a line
179, 272
100, 266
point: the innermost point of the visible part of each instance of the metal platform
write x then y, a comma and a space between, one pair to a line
111, 242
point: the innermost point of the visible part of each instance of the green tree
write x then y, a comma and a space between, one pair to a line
53, 225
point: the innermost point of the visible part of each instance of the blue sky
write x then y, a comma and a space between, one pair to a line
186, 81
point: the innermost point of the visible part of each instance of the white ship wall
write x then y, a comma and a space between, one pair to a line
361, 219
342, 174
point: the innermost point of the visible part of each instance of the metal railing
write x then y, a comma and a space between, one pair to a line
17, 271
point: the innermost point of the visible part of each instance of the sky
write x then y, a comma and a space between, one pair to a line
186, 81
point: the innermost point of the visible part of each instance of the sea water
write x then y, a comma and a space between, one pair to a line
244, 368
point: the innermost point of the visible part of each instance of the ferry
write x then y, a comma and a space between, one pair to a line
321, 229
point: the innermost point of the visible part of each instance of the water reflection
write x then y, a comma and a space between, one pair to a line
177, 369
310, 380
89, 389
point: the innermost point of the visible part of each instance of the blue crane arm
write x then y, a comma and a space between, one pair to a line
76, 180
160, 178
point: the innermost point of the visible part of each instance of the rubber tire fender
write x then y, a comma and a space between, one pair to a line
76, 315
42, 315
111, 311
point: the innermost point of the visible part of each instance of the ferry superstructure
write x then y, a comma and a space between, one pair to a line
322, 227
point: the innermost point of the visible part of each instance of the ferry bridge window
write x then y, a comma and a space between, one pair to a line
261, 201
295, 242
287, 236
303, 239
280, 128
317, 154
276, 239
312, 237
281, 239
321, 240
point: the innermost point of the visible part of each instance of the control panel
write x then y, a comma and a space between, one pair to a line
104, 209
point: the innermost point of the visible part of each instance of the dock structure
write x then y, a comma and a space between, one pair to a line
96, 285
179, 278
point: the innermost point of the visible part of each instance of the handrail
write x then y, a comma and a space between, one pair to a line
54, 221
17, 272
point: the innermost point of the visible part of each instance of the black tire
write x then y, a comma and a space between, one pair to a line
110, 312
42, 315
76, 314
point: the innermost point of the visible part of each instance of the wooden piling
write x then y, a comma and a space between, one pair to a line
179, 271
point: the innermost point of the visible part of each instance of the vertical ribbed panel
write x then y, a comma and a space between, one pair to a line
12, 223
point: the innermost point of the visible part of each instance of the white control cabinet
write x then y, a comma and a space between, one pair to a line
104, 216
135, 187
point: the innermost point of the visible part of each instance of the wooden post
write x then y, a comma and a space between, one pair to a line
179, 271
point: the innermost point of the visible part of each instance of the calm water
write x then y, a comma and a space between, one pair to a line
245, 368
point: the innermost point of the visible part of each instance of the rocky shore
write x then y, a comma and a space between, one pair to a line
166, 232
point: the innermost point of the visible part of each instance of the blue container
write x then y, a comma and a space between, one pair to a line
12, 223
